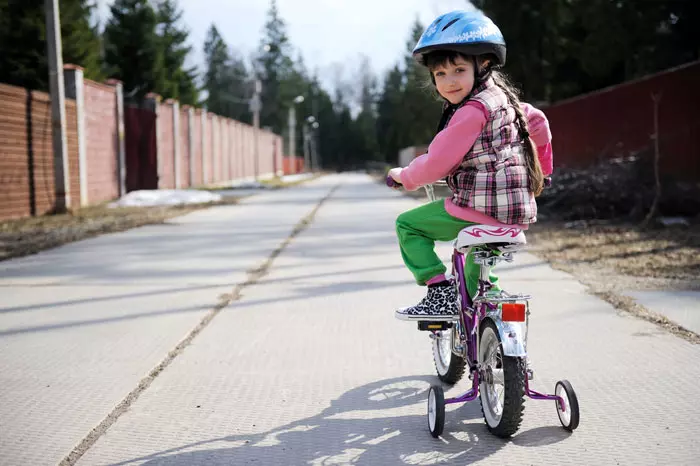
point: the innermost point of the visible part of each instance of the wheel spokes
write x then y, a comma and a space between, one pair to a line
445, 347
498, 378
565, 415
492, 362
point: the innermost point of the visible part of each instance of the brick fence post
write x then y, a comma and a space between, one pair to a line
227, 154
190, 140
176, 140
75, 89
153, 104
203, 115
223, 141
215, 148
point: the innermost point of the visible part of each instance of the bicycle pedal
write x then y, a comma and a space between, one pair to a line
530, 374
425, 325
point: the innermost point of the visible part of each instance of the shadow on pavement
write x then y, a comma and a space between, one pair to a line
360, 427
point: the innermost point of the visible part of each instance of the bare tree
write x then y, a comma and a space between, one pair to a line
656, 98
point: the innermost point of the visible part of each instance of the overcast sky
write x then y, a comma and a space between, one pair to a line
324, 31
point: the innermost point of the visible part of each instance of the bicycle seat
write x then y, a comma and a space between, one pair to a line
506, 239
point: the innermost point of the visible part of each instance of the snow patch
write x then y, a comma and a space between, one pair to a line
165, 197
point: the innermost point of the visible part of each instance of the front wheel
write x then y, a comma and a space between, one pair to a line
502, 384
436, 410
568, 417
449, 366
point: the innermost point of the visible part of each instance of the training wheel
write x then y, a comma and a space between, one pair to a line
436, 410
570, 417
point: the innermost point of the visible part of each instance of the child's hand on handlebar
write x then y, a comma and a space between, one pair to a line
394, 178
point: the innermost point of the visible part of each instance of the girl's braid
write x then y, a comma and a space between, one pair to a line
534, 169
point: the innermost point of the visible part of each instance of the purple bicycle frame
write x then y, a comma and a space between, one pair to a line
471, 321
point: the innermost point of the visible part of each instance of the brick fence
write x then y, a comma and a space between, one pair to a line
190, 147
619, 121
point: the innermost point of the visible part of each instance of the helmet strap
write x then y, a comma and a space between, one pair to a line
481, 75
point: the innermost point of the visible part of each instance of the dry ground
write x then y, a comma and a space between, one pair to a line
611, 258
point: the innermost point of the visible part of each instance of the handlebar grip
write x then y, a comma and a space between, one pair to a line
392, 183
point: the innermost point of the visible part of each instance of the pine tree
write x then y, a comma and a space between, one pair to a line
22, 22
179, 81
390, 135
366, 121
217, 72
238, 88
345, 151
80, 39
273, 66
23, 56
421, 105
409, 108
322, 110
581, 46
132, 48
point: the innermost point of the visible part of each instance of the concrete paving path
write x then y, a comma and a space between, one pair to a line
309, 366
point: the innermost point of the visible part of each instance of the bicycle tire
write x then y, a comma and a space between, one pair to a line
514, 389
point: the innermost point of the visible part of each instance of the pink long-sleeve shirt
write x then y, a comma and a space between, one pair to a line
447, 150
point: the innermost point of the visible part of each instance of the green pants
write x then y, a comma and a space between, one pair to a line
418, 229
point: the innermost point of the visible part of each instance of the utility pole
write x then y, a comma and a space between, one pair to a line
307, 159
255, 107
58, 107
292, 122
314, 146
314, 126
310, 126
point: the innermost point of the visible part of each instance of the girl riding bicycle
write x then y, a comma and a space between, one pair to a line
493, 151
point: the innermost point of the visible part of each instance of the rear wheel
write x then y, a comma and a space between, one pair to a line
502, 384
449, 366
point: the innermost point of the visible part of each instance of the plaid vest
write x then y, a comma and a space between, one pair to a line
492, 177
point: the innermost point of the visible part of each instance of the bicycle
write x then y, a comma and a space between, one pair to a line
489, 338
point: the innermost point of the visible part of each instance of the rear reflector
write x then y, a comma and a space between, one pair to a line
513, 312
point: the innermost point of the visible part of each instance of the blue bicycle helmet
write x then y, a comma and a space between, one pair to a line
468, 32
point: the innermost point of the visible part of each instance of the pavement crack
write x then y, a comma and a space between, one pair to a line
253, 276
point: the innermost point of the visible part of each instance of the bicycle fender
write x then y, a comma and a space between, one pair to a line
512, 338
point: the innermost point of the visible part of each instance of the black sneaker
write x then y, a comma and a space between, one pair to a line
438, 305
